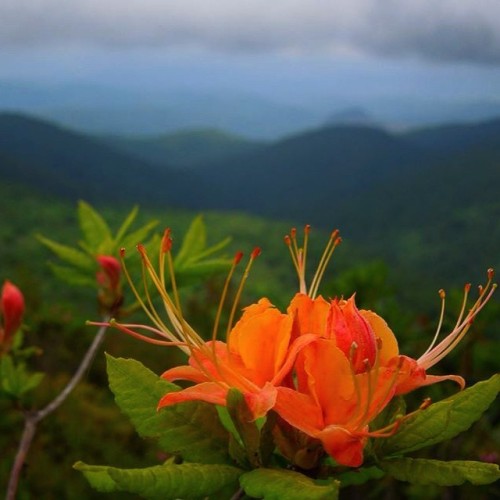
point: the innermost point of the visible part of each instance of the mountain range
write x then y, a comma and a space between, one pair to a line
434, 188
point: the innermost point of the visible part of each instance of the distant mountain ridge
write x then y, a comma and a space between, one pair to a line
186, 148
419, 189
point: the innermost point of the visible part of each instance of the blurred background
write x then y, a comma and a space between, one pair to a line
381, 118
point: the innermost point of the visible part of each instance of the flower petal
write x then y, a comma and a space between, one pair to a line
262, 401
185, 372
344, 447
299, 410
310, 314
389, 348
210, 392
261, 339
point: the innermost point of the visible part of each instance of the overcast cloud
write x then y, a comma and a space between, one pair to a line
444, 30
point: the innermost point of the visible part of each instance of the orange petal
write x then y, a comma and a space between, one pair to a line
297, 345
299, 410
262, 401
211, 392
412, 376
325, 373
184, 372
345, 448
261, 339
310, 314
389, 348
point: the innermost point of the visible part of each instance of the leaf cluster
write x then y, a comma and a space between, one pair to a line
216, 453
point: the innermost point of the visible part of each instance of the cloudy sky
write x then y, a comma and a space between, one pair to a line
438, 46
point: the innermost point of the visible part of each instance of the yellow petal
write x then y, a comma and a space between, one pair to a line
389, 347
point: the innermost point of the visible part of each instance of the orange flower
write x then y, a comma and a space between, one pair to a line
257, 357
12, 309
343, 380
346, 378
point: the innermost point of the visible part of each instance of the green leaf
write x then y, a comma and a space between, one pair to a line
126, 224
93, 226
15, 379
68, 254
191, 430
138, 236
186, 481
214, 248
272, 484
442, 420
73, 276
98, 477
193, 243
453, 473
360, 476
247, 429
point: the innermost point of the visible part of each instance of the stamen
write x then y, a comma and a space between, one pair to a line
237, 259
255, 253
138, 297
333, 242
431, 357
357, 389
127, 329
442, 294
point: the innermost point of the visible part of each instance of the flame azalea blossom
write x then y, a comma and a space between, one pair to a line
256, 358
12, 309
347, 378
325, 367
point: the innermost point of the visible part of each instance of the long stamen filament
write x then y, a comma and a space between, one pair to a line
236, 261
442, 294
333, 242
435, 354
255, 253
135, 291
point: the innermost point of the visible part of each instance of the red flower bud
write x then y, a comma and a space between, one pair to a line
108, 278
12, 309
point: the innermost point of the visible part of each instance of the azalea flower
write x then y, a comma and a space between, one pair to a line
327, 368
346, 378
257, 356
12, 310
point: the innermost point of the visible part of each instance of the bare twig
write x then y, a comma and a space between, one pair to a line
32, 418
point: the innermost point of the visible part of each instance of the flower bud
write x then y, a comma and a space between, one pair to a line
12, 310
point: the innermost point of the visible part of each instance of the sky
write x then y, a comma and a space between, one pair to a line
285, 49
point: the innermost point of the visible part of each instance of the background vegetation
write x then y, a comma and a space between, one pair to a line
420, 212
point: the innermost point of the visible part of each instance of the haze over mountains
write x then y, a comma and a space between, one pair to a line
110, 110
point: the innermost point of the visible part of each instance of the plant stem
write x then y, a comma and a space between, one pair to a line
32, 418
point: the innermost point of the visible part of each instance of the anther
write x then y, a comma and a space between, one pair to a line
255, 253
467, 287
122, 252
491, 273
425, 404
442, 293
237, 258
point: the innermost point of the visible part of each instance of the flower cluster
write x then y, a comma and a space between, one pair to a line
12, 310
325, 367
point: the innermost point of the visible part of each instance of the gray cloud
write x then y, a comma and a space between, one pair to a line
445, 30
